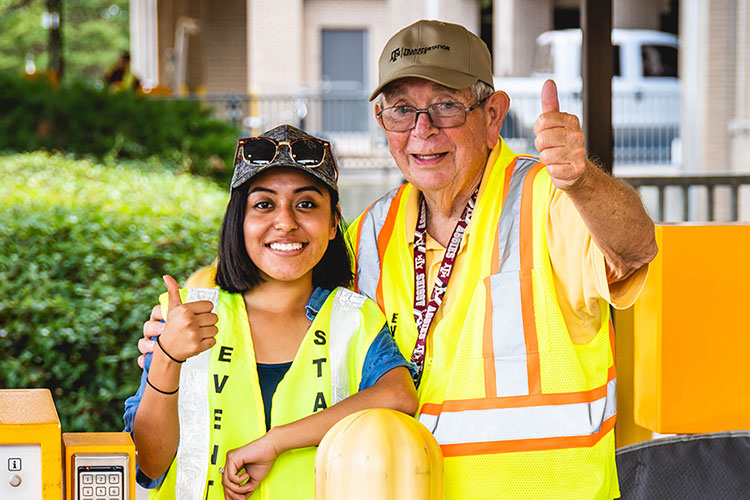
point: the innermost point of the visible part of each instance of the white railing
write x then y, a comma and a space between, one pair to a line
647, 128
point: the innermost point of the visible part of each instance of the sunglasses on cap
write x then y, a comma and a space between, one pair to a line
308, 152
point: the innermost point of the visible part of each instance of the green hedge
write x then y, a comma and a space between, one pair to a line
84, 247
88, 122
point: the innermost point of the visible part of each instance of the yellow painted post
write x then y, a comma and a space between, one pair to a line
692, 333
378, 454
28, 418
626, 430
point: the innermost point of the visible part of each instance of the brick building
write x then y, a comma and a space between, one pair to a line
287, 46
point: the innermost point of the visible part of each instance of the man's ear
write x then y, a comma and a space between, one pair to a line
495, 109
377, 112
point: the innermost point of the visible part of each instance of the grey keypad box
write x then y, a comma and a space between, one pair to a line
101, 476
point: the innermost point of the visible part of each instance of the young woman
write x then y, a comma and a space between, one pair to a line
287, 353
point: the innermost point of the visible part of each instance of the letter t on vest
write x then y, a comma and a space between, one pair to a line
319, 364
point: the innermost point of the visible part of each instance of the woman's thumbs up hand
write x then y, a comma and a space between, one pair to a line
190, 327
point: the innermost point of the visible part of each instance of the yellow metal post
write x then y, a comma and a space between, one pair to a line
28, 418
378, 454
626, 430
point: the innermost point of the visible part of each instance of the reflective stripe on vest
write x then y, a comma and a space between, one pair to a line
377, 224
344, 323
193, 450
517, 419
509, 342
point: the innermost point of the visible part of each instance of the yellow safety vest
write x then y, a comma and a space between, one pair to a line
221, 407
519, 411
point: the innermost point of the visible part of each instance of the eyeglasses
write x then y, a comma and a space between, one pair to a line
441, 114
309, 152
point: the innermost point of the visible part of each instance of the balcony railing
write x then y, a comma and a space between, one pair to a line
346, 117
646, 129
695, 197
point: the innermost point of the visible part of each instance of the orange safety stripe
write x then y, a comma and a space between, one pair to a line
506, 181
520, 445
488, 347
527, 285
612, 372
384, 237
355, 245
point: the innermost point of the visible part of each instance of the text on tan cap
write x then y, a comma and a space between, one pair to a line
444, 53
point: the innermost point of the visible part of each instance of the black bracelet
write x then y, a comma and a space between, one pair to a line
159, 390
168, 355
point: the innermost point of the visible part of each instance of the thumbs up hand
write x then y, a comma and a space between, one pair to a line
190, 327
560, 142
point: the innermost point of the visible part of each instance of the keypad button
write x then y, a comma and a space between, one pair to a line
87, 478
101, 479
114, 479
114, 491
88, 491
101, 491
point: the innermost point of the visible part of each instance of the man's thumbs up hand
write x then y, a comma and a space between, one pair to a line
560, 141
549, 97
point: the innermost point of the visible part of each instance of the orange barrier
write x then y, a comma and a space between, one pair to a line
692, 333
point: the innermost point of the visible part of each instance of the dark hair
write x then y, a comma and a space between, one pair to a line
237, 273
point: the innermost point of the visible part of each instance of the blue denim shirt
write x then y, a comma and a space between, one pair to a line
382, 356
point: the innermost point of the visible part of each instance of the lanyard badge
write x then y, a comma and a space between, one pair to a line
424, 312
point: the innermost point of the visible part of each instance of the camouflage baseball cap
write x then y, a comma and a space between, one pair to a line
444, 53
284, 146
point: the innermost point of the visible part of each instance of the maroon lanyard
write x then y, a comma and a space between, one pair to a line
424, 312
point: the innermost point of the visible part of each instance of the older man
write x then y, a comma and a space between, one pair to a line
495, 271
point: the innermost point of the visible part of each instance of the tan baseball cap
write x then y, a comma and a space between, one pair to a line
444, 53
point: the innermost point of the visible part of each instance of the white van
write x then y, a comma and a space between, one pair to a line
645, 90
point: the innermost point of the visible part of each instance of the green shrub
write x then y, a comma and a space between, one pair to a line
85, 121
84, 247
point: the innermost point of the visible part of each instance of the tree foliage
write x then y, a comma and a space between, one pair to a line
84, 246
94, 32
84, 121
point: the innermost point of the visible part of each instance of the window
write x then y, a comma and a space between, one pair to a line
543, 62
659, 61
616, 61
345, 105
